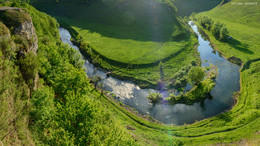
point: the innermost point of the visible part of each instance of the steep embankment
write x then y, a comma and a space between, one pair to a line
63, 109
18, 73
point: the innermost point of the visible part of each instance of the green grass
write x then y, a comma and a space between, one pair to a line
131, 37
243, 24
136, 32
186, 7
240, 123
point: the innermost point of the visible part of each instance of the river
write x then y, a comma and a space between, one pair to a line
132, 95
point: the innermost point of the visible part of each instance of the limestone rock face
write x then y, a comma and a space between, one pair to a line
21, 24
27, 30
16, 22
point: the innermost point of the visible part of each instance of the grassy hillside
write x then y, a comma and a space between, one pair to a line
66, 110
130, 37
243, 23
63, 109
187, 7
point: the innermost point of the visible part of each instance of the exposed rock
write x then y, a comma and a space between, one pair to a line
20, 23
15, 21
27, 30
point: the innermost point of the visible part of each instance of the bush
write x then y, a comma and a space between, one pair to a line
6, 46
223, 33
154, 97
180, 78
196, 75
29, 67
206, 22
219, 30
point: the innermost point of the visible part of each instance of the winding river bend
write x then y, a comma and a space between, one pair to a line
132, 95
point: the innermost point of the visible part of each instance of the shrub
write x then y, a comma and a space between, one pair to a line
196, 75
29, 67
206, 22
216, 29
154, 97
6, 46
223, 33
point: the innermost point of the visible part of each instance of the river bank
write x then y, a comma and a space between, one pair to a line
135, 97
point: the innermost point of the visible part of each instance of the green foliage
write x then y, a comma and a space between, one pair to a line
180, 77
218, 29
95, 79
43, 109
13, 100
206, 22
242, 24
223, 36
64, 110
241, 122
29, 67
161, 69
196, 75
3, 29
7, 46
154, 97
197, 94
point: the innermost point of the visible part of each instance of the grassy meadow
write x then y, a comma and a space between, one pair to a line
187, 7
243, 23
131, 37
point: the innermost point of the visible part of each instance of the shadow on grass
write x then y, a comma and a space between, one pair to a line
140, 20
225, 117
239, 46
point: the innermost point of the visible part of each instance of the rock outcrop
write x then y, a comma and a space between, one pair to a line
16, 22
21, 24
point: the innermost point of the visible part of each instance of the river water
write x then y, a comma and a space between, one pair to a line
132, 95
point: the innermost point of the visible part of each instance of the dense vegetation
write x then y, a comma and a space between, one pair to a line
200, 91
65, 105
219, 30
61, 111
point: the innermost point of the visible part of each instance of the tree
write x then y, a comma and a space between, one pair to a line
196, 75
29, 66
223, 33
154, 97
216, 29
161, 70
193, 14
209, 24
101, 86
95, 79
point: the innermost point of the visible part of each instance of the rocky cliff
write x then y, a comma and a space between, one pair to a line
20, 23
17, 29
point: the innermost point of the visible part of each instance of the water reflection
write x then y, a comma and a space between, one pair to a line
132, 95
